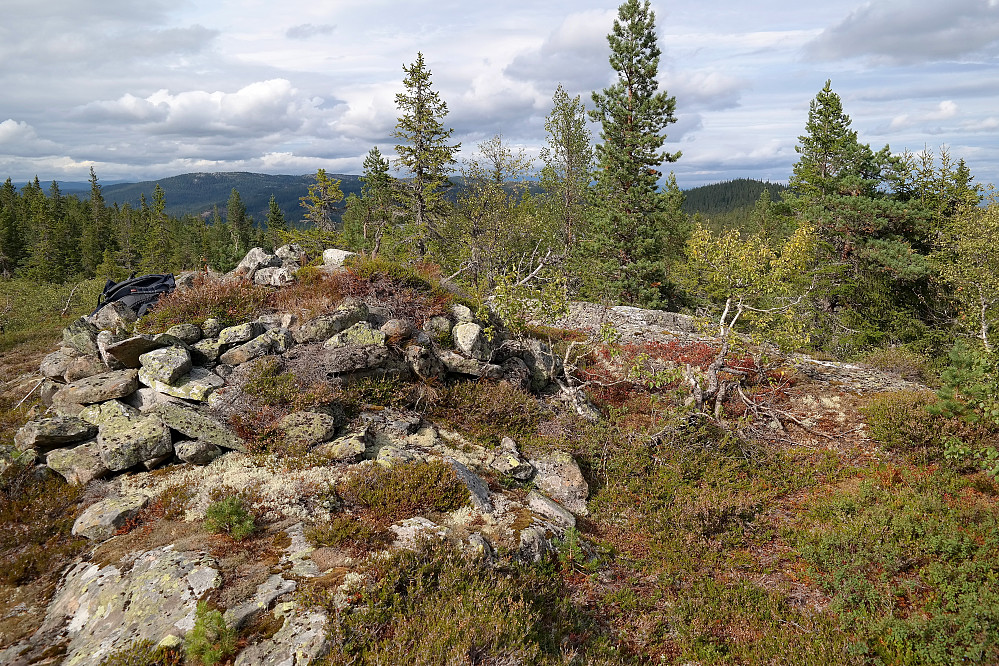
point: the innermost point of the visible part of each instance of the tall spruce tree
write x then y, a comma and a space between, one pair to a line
12, 241
320, 203
424, 152
633, 234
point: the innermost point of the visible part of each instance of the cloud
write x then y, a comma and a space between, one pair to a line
944, 111
20, 138
706, 89
307, 30
911, 31
574, 54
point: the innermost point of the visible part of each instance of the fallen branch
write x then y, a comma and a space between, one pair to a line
69, 300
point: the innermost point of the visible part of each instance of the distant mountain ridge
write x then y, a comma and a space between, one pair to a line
198, 193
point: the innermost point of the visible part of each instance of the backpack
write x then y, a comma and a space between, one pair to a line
138, 293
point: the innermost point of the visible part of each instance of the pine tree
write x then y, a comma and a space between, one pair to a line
424, 153
568, 159
12, 242
632, 234
320, 203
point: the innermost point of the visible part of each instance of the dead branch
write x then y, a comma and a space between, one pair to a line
69, 300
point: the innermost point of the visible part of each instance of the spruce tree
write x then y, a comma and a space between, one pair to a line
12, 244
276, 223
424, 152
320, 203
633, 233
158, 251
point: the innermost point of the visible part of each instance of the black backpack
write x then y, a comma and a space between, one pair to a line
138, 293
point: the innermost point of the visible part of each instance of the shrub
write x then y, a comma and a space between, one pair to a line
899, 419
144, 653
231, 517
230, 301
210, 641
904, 362
488, 411
405, 490
346, 530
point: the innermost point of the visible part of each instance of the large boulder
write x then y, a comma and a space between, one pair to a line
105, 386
101, 520
81, 335
166, 365
334, 258
115, 316
196, 425
99, 609
255, 260
471, 340
127, 351
326, 326
54, 365
308, 429
123, 444
79, 465
49, 433
82, 367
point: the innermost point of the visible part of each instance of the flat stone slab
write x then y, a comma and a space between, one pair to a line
197, 385
190, 423
102, 609
106, 412
308, 428
128, 351
302, 640
550, 509
54, 365
478, 490
54, 432
326, 326
79, 465
101, 520
105, 386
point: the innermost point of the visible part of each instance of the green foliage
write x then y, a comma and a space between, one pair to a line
144, 653
229, 516
211, 640
35, 307
899, 419
639, 231
902, 361
567, 173
423, 152
488, 411
405, 490
320, 202
909, 563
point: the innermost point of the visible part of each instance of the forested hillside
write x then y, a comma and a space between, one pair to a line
728, 196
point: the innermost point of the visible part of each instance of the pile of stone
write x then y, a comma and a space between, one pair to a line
121, 400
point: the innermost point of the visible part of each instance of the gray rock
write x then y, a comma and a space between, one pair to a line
206, 352
509, 461
79, 465
83, 367
458, 364
302, 640
274, 276
255, 348
550, 509
237, 335
359, 335
438, 328
102, 520
81, 335
146, 398
517, 373
54, 365
364, 362
281, 339
255, 260
334, 258
291, 253
166, 365
478, 490
390, 456
262, 601
212, 327
558, 476
127, 351
197, 385
47, 391
471, 340
410, 532
543, 364
348, 449
397, 328
98, 610
196, 451
479, 547
269, 322
189, 333
106, 412
48, 433
308, 428
123, 444
196, 425
116, 317
462, 313
326, 326
534, 544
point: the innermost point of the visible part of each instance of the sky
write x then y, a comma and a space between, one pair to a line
144, 90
